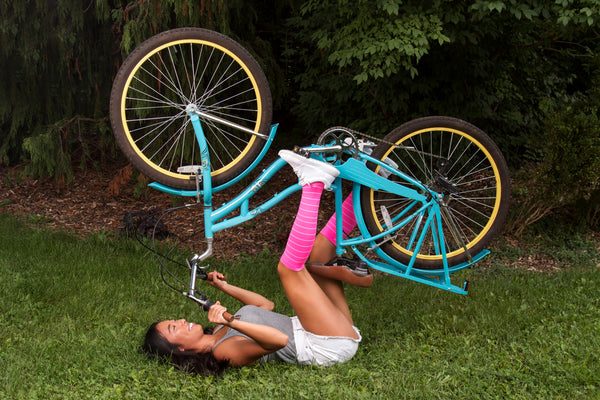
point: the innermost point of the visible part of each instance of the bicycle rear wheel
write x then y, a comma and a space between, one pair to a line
455, 159
176, 69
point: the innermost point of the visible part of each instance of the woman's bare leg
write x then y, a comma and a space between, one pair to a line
323, 251
317, 312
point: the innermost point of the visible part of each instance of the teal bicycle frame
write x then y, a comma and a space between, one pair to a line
427, 211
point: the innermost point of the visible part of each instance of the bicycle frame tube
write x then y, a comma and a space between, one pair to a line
194, 193
206, 178
241, 201
356, 171
431, 214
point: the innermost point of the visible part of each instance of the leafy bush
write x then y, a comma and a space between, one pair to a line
568, 177
373, 65
51, 148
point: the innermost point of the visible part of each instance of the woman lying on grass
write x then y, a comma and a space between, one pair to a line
321, 333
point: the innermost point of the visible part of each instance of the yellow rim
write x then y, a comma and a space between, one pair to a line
201, 42
496, 205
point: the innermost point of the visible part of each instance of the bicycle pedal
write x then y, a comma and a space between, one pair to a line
299, 150
189, 169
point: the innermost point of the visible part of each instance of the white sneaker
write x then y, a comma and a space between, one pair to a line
310, 170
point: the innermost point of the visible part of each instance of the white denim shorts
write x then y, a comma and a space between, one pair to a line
323, 350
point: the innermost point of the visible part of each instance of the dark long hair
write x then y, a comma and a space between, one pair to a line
205, 364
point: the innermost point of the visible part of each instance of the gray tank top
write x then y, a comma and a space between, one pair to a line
261, 316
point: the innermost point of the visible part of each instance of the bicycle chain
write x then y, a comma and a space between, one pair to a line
379, 140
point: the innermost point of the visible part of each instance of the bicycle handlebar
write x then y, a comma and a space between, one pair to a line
207, 304
228, 317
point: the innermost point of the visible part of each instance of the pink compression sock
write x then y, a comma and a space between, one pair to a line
348, 222
302, 235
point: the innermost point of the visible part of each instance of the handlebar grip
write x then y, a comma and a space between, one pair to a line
228, 317
208, 304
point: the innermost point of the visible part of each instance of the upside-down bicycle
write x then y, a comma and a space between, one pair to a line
191, 109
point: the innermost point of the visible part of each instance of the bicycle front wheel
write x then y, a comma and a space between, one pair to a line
456, 160
176, 69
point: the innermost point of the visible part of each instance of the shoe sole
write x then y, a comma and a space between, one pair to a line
289, 156
340, 273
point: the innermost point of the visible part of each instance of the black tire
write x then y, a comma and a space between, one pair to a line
476, 188
171, 71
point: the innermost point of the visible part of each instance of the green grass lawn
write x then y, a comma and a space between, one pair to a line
73, 313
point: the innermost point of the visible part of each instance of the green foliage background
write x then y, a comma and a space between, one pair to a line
490, 62
518, 69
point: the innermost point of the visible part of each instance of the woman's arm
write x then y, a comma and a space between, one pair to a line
241, 351
218, 280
